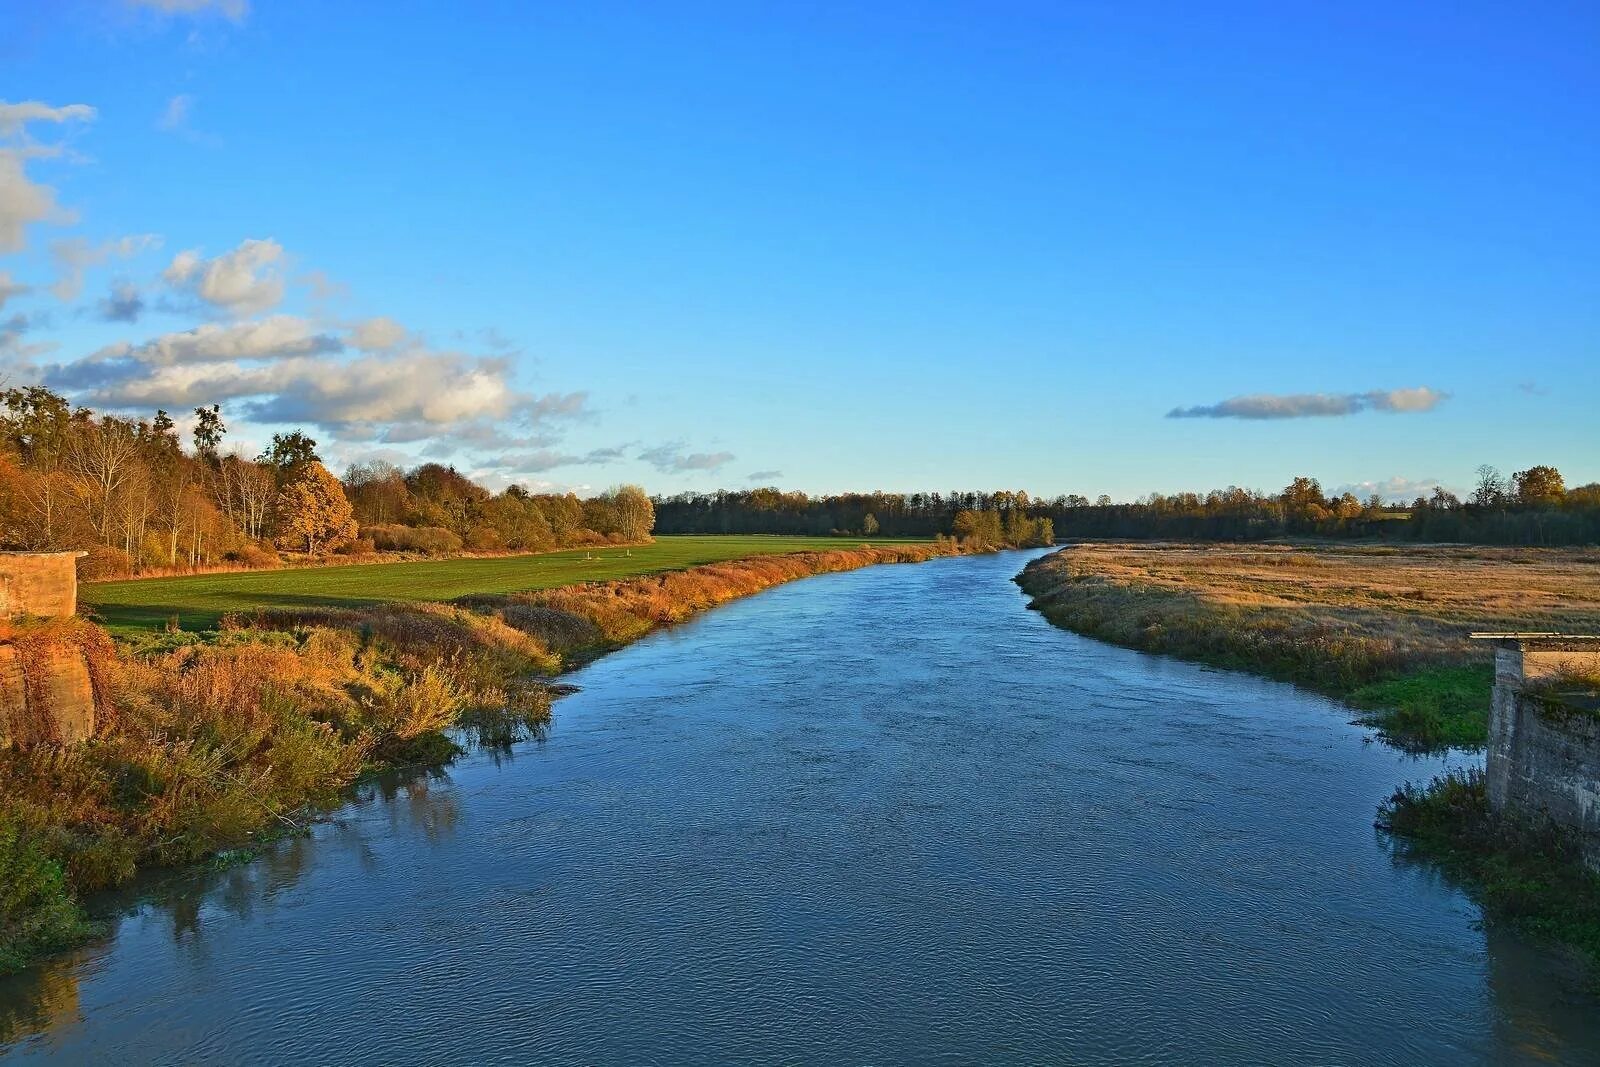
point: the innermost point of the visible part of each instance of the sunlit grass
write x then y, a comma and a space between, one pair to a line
198, 602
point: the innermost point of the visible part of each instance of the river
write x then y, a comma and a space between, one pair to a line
874, 817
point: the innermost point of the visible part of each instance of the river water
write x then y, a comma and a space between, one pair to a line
876, 817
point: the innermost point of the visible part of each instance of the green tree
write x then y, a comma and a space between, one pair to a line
312, 514
208, 431
288, 453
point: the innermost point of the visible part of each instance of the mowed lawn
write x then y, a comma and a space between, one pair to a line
198, 601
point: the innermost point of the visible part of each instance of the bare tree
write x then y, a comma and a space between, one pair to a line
101, 457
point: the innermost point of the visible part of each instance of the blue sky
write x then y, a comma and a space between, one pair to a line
864, 245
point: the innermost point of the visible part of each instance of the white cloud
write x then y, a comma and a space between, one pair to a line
278, 337
123, 304
233, 9
542, 460
16, 354
175, 116
284, 372
672, 457
9, 288
764, 476
377, 334
24, 201
1312, 405
1397, 489
14, 117
75, 255
241, 282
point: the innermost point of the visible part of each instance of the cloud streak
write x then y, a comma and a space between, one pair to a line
235, 10
1263, 406
672, 458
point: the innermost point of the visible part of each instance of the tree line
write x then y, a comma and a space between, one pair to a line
1530, 507
129, 491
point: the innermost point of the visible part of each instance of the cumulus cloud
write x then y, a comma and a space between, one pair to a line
1394, 490
763, 476
1314, 405
232, 9
24, 201
123, 304
75, 255
9, 288
671, 457
323, 287
278, 337
242, 282
17, 354
377, 334
14, 117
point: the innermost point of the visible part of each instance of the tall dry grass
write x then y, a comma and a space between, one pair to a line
1349, 620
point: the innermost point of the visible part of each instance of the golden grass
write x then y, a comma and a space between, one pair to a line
1424, 599
1384, 627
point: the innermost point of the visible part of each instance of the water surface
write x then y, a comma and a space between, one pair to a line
883, 816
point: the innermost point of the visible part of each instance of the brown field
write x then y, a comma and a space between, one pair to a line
1381, 625
1426, 597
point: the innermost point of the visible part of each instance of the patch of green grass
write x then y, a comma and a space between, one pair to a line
1523, 872
1434, 708
37, 912
199, 601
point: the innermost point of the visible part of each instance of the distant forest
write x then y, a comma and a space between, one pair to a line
1531, 507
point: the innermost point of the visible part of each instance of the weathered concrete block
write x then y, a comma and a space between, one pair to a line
46, 696
38, 583
1544, 759
66, 694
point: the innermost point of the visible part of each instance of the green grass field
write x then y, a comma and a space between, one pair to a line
200, 600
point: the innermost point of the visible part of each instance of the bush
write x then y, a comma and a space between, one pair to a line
361, 546
484, 539
37, 914
104, 563
433, 540
1521, 868
255, 556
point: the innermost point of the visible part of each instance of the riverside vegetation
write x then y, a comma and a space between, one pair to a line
214, 740
1385, 629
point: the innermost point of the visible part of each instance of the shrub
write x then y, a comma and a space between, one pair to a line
1522, 868
37, 914
361, 546
255, 556
484, 539
103, 563
433, 540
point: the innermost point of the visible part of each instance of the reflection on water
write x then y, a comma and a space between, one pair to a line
46, 998
879, 816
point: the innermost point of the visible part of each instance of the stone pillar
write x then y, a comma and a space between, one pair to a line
1543, 758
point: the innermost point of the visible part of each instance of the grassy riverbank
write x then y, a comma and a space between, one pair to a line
1520, 871
1382, 627
208, 741
199, 601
